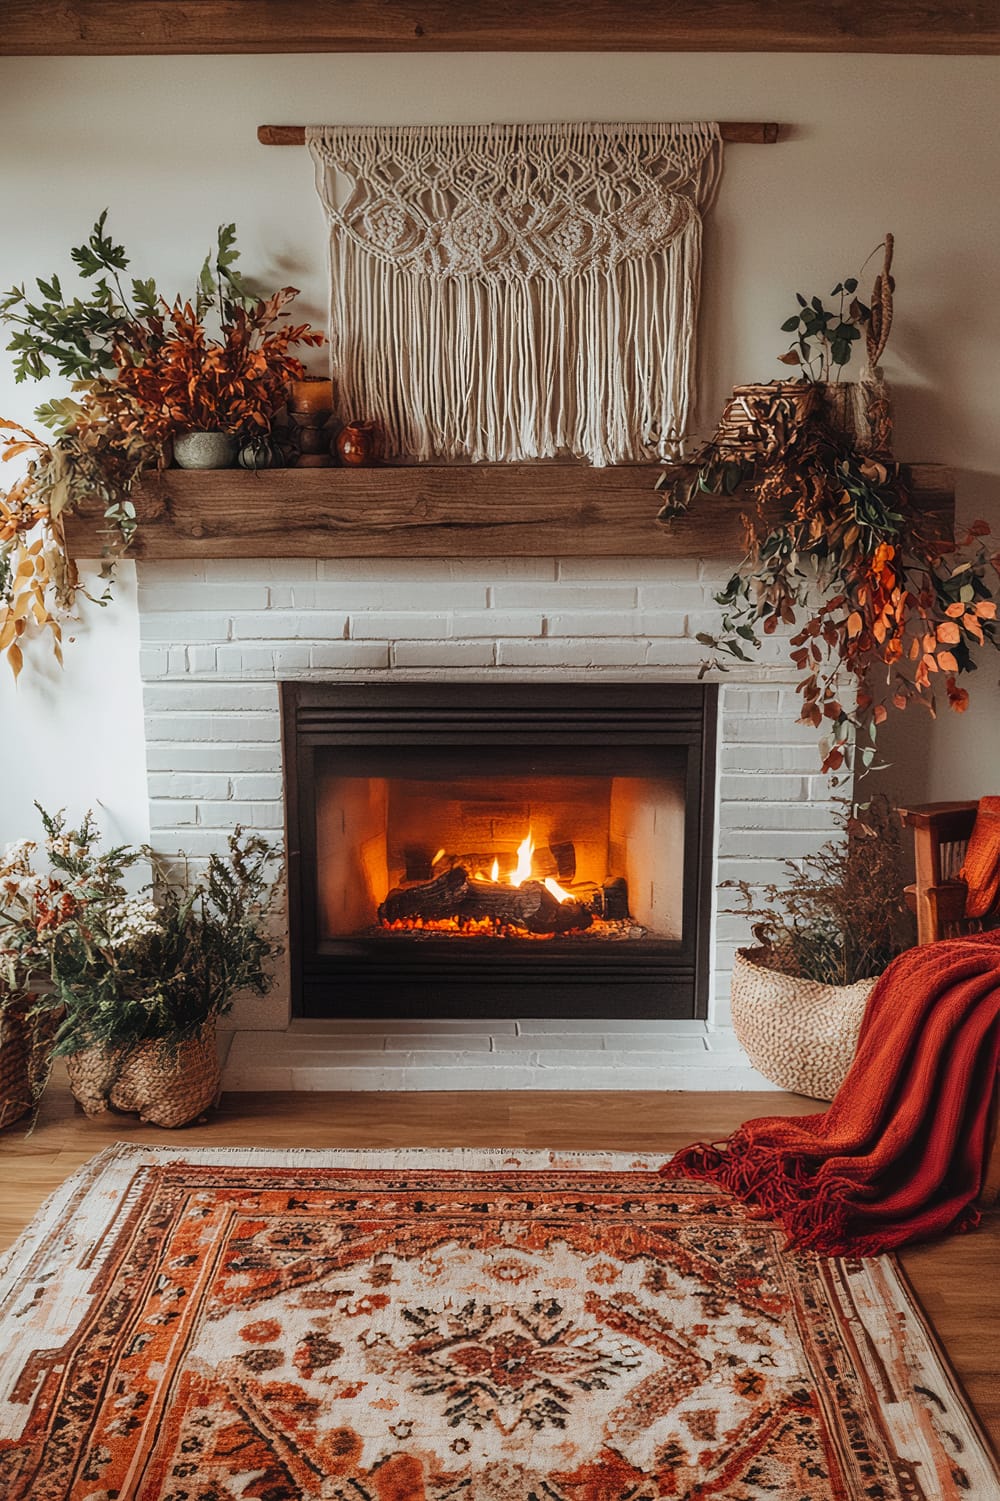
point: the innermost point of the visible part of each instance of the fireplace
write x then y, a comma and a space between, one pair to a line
502, 849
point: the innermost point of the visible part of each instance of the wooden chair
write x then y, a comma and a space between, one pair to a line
940, 834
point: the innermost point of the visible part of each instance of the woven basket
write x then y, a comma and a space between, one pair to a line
165, 1086
763, 418
798, 1033
25, 1047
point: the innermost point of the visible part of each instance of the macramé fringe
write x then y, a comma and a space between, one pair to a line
515, 295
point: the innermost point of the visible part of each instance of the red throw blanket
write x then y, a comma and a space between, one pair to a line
900, 1154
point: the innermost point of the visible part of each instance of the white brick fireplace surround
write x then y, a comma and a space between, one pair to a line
218, 636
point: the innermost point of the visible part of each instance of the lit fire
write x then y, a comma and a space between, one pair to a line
521, 872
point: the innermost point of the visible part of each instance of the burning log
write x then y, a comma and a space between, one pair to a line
441, 897
615, 893
528, 906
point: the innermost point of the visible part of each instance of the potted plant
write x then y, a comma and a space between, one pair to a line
27, 1018
823, 939
146, 374
140, 980
882, 610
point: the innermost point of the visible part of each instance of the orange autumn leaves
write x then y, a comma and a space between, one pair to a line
184, 381
30, 572
898, 623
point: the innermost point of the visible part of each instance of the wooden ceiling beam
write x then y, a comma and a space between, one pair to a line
82, 28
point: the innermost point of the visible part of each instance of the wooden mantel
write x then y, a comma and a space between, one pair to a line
107, 27
471, 511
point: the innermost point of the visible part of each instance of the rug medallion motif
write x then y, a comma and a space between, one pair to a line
455, 1327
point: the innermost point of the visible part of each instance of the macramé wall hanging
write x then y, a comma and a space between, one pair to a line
508, 292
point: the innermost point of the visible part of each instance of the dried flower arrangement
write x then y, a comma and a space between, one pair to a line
143, 370
837, 551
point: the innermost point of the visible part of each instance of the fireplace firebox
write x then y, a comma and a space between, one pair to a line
510, 849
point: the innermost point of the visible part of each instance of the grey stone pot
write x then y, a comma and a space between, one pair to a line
205, 450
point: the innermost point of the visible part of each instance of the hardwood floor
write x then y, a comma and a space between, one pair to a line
956, 1280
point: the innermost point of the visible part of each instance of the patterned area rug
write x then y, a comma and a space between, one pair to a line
454, 1326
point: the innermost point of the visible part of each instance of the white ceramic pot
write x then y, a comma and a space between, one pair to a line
205, 450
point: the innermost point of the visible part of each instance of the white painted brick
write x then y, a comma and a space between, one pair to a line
661, 623
292, 660
237, 661
201, 659
252, 815
172, 840
722, 1014
460, 1042
558, 597
495, 623
173, 597
675, 597
191, 784
234, 728
759, 844
379, 594
636, 1042
177, 661
291, 625
584, 1045
757, 872
731, 926
380, 625
211, 696
336, 656
756, 788
207, 757
570, 652
151, 575
757, 700
671, 652
819, 819
442, 654
592, 623
243, 570
168, 814
255, 788
746, 729
663, 1028
643, 570
152, 662
195, 626
757, 758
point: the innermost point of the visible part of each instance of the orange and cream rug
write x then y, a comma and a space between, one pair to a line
455, 1326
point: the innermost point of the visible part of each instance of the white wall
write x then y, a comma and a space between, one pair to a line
168, 144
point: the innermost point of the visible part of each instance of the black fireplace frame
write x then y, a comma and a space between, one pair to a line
366, 978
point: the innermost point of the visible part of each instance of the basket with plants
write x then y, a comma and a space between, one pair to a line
823, 937
140, 980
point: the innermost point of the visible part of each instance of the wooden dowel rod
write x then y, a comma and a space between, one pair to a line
735, 132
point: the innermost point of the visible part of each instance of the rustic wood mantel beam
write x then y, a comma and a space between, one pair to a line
440, 511
53, 28
734, 132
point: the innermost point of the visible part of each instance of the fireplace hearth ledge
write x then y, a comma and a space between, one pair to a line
347, 1056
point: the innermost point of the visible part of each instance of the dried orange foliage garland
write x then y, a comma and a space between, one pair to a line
31, 573
882, 610
870, 595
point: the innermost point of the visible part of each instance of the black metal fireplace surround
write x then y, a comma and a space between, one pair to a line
388, 787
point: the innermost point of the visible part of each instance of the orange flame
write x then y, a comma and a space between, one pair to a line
522, 871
